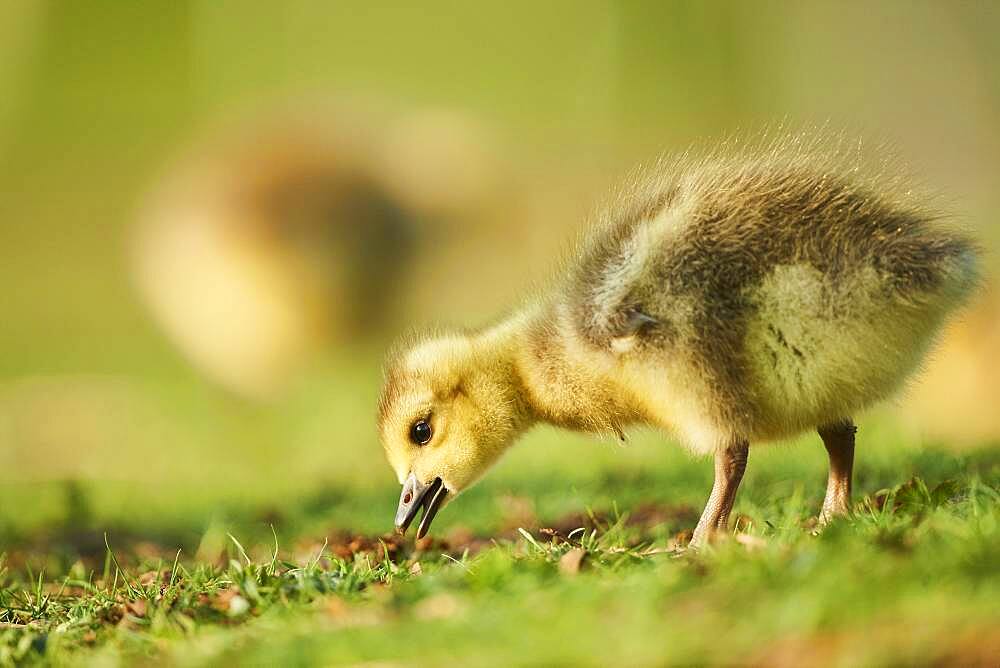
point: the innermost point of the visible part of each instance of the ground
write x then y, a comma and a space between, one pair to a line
569, 553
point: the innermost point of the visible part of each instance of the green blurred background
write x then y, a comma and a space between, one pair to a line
516, 116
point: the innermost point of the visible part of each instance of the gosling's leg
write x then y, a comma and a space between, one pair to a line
730, 463
839, 441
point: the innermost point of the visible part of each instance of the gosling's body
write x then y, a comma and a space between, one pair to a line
731, 300
744, 298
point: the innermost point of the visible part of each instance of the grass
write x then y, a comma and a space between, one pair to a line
554, 559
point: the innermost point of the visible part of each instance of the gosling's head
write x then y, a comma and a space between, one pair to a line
447, 412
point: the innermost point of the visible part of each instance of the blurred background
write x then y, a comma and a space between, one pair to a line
215, 216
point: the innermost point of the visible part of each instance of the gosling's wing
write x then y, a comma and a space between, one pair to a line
685, 253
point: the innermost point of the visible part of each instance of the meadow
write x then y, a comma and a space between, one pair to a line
570, 552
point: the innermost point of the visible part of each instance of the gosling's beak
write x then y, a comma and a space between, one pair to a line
417, 495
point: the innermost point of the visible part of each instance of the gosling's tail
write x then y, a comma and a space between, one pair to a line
961, 271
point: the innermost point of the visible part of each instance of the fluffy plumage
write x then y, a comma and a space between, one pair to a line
742, 296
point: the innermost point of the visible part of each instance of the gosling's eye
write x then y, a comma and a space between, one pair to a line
420, 432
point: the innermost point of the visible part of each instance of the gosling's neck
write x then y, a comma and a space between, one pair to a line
551, 377
498, 350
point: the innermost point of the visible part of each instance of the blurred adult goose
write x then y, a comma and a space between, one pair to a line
291, 236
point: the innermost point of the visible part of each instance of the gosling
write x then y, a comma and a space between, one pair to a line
731, 299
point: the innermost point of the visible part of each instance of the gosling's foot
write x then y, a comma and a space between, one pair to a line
831, 513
